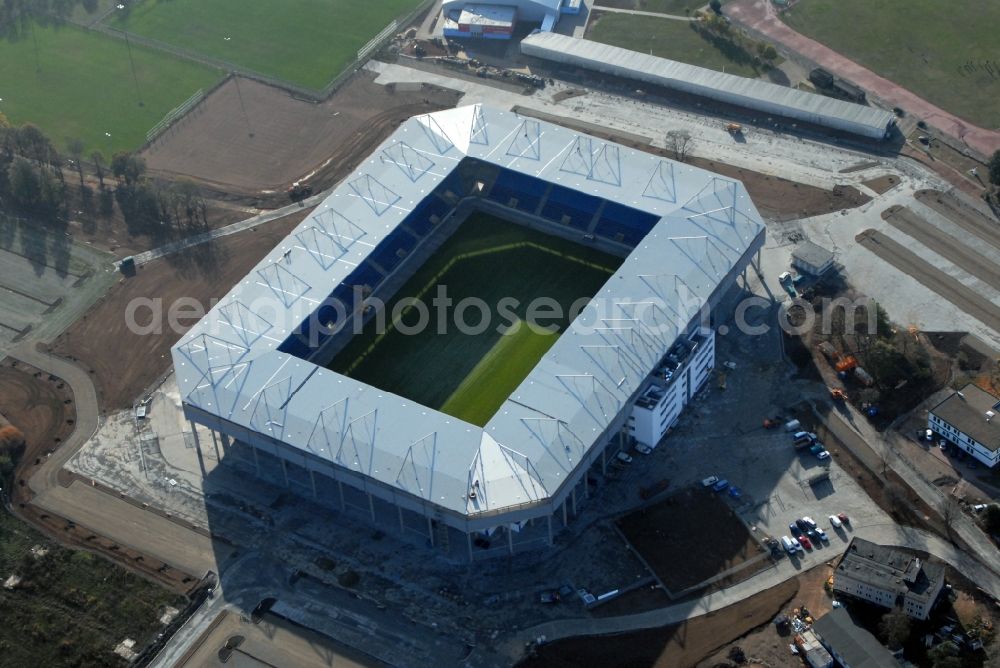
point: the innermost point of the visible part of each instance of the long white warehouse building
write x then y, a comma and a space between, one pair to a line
728, 88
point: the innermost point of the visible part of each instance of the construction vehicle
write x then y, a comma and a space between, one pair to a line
837, 394
734, 129
299, 191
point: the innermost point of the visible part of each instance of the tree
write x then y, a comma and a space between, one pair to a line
715, 6
944, 655
951, 510
127, 168
11, 448
75, 148
679, 143
768, 53
994, 166
98, 159
991, 518
895, 628
25, 187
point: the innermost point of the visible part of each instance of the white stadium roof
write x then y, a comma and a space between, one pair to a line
228, 365
729, 88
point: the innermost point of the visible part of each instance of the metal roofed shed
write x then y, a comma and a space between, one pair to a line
728, 88
852, 645
812, 259
486, 21
241, 370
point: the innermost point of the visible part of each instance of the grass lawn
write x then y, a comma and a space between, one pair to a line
938, 50
469, 374
85, 88
668, 38
71, 607
498, 374
305, 42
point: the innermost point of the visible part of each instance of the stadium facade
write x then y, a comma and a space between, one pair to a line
253, 370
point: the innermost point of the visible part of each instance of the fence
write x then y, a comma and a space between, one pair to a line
174, 114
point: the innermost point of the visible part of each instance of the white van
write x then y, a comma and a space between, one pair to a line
791, 546
793, 425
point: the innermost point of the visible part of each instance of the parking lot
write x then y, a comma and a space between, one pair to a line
46, 281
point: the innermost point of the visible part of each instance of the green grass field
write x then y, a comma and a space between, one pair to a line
668, 38
938, 50
469, 375
73, 607
84, 87
305, 42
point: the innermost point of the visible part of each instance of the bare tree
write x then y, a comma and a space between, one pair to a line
98, 159
950, 510
679, 143
75, 149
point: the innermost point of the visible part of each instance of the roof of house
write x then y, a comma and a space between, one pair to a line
890, 569
811, 254
969, 411
853, 644
229, 364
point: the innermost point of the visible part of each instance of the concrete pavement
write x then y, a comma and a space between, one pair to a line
636, 12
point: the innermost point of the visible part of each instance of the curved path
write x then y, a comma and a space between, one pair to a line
760, 15
886, 534
87, 411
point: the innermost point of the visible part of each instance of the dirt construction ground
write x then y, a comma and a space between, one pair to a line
248, 137
124, 363
671, 537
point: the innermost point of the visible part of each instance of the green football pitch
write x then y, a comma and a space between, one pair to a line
79, 84
304, 42
468, 374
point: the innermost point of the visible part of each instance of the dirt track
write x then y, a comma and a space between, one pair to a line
969, 219
122, 362
40, 405
906, 261
280, 139
945, 245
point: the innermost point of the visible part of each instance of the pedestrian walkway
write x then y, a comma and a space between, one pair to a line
636, 12
760, 16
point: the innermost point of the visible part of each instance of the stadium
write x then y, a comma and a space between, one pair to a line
318, 376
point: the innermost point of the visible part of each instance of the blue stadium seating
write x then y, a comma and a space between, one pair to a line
565, 202
527, 189
632, 224
385, 254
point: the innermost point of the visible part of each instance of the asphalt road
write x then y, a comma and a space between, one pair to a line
958, 252
934, 279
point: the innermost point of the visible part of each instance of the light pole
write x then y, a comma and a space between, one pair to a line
128, 46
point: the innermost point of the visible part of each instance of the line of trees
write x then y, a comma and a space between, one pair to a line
16, 16
33, 184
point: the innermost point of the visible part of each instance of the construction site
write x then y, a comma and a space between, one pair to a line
852, 286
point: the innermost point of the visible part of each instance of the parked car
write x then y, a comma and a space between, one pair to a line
796, 532
816, 448
802, 524
804, 542
928, 435
822, 455
813, 535
843, 518
643, 449
791, 545
729, 365
624, 457
735, 492
835, 522
822, 535
709, 481
720, 486
810, 522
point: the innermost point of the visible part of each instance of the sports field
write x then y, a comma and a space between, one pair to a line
81, 86
469, 374
305, 42
672, 39
945, 52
